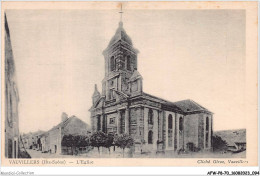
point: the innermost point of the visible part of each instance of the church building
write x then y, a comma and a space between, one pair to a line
154, 123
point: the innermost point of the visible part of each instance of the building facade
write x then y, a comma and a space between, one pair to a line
32, 140
11, 100
51, 141
155, 124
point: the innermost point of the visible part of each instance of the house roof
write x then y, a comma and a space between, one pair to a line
120, 35
61, 124
38, 133
232, 136
65, 122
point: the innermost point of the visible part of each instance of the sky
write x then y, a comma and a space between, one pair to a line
184, 54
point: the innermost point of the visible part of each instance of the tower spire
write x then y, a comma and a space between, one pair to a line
121, 14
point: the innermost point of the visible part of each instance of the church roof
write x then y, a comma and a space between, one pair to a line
154, 98
189, 106
164, 102
136, 75
184, 106
120, 35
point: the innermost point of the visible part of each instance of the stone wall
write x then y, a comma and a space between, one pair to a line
191, 129
154, 128
201, 131
112, 127
55, 140
94, 123
135, 120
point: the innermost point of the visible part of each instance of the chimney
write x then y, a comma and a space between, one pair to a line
64, 116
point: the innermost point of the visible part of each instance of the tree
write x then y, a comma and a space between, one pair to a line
82, 141
75, 141
98, 139
219, 144
69, 141
109, 141
124, 141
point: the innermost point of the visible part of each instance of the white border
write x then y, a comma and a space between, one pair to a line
128, 170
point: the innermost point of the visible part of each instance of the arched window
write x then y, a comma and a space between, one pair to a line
134, 63
112, 63
150, 117
128, 63
181, 123
207, 123
98, 123
150, 137
170, 121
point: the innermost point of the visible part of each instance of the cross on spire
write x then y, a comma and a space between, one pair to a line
121, 13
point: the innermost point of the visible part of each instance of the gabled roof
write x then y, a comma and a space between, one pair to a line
62, 124
188, 106
65, 122
232, 136
136, 75
120, 35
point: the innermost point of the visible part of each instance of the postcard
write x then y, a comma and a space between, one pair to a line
129, 84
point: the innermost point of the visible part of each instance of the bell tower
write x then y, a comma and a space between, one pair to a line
120, 64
